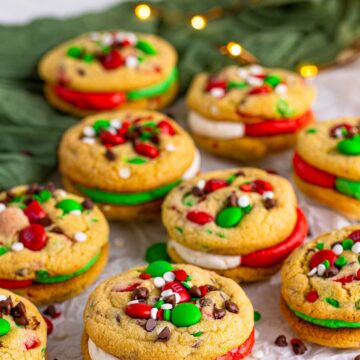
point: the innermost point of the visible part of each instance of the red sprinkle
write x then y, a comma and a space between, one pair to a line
215, 83
33, 237
321, 256
260, 186
354, 236
246, 187
125, 288
139, 311
32, 342
112, 60
180, 275
146, 150
49, 325
214, 184
144, 276
124, 128
166, 127
34, 211
312, 296
199, 217
203, 290
108, 138
265, 89
159, 314
346, 279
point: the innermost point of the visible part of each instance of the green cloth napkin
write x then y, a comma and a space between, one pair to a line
279, 33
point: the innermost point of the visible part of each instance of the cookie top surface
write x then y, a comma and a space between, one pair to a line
23, 330
250, 94
332, 146
321, 278
126, 151
123, 329
231, 212
48, 231
109, 61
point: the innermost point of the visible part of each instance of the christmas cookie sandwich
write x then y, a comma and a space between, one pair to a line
327, 164
22, 329
247, 112
127, 161
110, 70
241, 223
166, 311
321, 289
52, 244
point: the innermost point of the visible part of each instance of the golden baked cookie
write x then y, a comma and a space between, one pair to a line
127, 161
52, 244
320, 289
165, 311
23, 331
327, 164
110, 70
241, 222
245, 113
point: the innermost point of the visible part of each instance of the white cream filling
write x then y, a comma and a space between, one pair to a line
98, 354
215, 129
194, 167
202, 259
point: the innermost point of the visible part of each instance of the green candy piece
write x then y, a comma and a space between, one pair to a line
340, 261
230, 179
4, 327
357, 304
158, 268
18, 199
333, 302
156, 252
44, 196
236, 85
319, 246
326, 263
159, 303
101, 124
257, 316
74, 52
89, 58
272, 80
185, 285
349, 147
68, 205
137, 161
167, 315
3, 250
284, 109
146, 47
229, 217
347, 244
197, 334
348, 187
185, 314
311, 131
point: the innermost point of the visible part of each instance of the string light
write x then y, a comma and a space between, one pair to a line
308, 71
142, 11
234, 48
198, 22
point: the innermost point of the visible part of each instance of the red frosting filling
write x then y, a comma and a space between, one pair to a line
242, 351
277, 253
311, 174
270, 127
14, 284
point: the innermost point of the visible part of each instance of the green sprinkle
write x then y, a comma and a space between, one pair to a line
166, 315
44, 196
359, 259
159, 303
188, 278
283, 108
333, 302
141, 58
220, 235
189, 200
74, 52
197, 334
319, 246
340, 261
247, 209
326, 263
311, 131
89, 58
150, 124
136, 160
18, 199
208, 231
186, 285
146, 47
146, 135
94, 220
230, 179
357, 304
3, 250
179, 229
257, 316
236, 85
194, 299
347, 244
100, 125
272, 80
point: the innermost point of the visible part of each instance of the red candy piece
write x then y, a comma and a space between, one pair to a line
203, 290
199, 217
159, 314
322, 255
357, 275
125, 288
311, 174
124, 128
14, 284
180, 275
312, 296
176, 287
346, 279
354, 236
34, 211
108, 138
166, 127
215, 83
32, 342
144, 276
246, 187
340, 126
49, 325
265, 89
147, 150
260, 186
138, 311
33, 237
213, 185
112, 60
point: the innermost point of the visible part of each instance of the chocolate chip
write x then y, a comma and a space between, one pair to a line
155, 139
87, 204
21, 272
110, 155
194, 292
231, 307
281, 341
211, 287
81, 72
218, 313
150, 325
5, 306
171, 300
52, 312
164, 334
331, 271
240, 173
45, 221
196, 191
298, 347
205, 302
233, 199
19, 314
357, 357
309, 233
32, 189
57, 230
118, 318
140, 293
269, 203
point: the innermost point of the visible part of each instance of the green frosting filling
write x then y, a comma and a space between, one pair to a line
42, 276
101, 196
329, 323
348, 187
154, 90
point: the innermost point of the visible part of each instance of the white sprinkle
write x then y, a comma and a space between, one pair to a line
338, 132
2, 207
3, 297
88, 140
177, 297
166, 306
166, 293
112, 130
107, 39
153, 313
256, 70
169, 276
170, 147
244, 201
159, 282
18, 246
217, 92
268, 195
80, 236
281, 89
133, 302
131, 61
214, 109
124, 173
75, 212
116, 123
201, 184
243, 73
254, 81
321, 269
312, 272
89, 131
337, 249
356, 248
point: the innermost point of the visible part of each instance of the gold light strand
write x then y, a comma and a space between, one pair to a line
198, 22
308, 70
237, 52
142, 11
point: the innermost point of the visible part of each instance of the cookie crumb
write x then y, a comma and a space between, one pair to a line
298, 346
281, 341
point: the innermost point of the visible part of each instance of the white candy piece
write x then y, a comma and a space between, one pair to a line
88, 140
166, 293
254, 81
2, 297
338, 132
356, 248
177, 297
153, 313
243, 73
116, 123
281, 89
159, 282
312, 272
75, 212
217, 92
124, 173
244, 201
166, 306
201, 184
321, 268
133, 302
80, 236
18, 246
2, 207
169, 276
170, 147
268, 195
131, 61
89, 131
256, 70
338, 249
